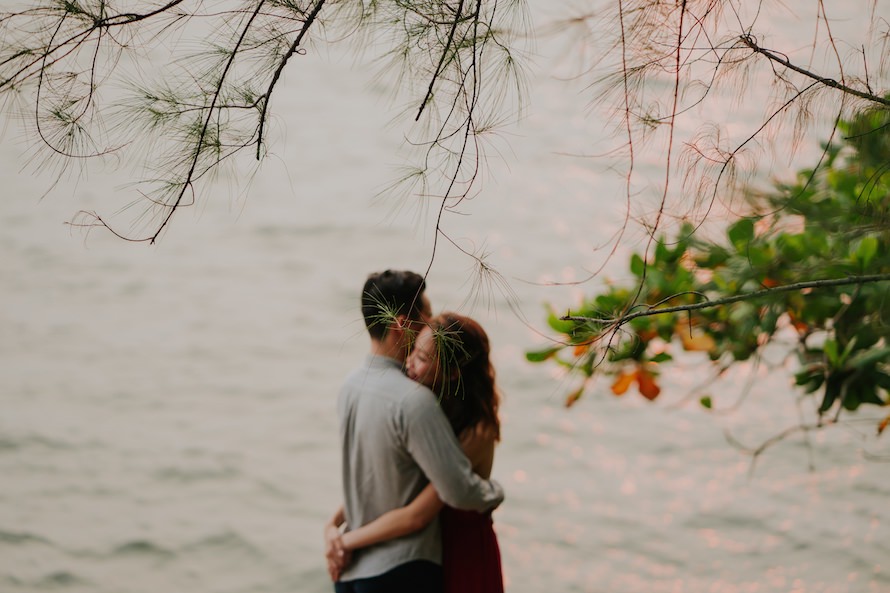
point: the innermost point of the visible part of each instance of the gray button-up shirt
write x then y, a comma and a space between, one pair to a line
395, 441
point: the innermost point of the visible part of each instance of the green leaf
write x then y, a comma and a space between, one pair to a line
706, 402
637, 265
711, 256
662, 253
560, 325
869, 358
805, 376
665, 255
866, 251
760, 255
852, 399
830, 348
792, 248
882, 380
811, 378
869, 395
542, 355
662, 357
630, 349
851, 345
832, 391
815, 383
741, 233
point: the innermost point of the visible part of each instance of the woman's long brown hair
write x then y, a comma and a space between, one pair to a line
467, 390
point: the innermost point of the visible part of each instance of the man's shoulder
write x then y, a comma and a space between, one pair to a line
418, 398
390, 383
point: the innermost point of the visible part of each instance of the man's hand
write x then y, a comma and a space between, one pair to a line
476, 439
337, 556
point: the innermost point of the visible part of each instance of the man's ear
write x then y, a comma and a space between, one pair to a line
401, 323
400, 326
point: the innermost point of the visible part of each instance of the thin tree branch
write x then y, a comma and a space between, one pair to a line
654, 310
756, 452
445, 50
310, 19
830, 82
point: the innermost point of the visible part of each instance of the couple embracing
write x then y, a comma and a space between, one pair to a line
418, 427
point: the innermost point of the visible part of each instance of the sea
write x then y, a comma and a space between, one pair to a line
167, 411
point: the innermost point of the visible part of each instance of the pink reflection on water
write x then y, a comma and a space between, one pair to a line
628, 487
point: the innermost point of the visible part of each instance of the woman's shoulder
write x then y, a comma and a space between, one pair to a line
478, 443
481, 432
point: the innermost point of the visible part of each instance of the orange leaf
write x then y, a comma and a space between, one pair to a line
698, 342
648, 388
800, 326
647, 334
883, 425
581, 350
622, 383
574, 396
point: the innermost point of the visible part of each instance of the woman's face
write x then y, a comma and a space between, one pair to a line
423, 362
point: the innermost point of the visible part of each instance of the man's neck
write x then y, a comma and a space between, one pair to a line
388, 349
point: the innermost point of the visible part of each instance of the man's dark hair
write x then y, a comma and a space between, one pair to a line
388, 294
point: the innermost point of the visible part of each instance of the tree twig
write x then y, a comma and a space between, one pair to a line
830, 82
282, 63
655, 310
442, 58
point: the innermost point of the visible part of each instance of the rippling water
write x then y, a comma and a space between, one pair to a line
168, 416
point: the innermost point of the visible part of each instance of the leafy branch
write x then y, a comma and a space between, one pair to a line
656, 308
730, 299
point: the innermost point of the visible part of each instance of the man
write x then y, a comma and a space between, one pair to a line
395, 441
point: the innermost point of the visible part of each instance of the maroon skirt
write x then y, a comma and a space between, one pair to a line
471, 559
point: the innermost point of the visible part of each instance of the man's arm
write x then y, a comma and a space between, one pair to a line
431, 442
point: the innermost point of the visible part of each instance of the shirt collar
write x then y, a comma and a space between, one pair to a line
380, 361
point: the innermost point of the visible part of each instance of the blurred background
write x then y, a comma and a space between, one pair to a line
168, 412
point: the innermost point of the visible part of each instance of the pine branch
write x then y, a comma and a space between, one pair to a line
73, 42
203, 134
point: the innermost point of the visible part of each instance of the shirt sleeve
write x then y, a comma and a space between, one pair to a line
431, 442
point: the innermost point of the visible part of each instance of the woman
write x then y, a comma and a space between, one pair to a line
451, 357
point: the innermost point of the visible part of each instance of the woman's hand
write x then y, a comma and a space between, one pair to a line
337, 556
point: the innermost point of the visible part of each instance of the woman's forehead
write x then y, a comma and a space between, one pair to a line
425, 340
